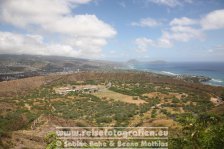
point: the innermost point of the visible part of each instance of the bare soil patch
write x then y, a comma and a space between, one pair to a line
107, 94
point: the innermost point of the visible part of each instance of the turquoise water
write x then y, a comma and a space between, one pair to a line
214, 70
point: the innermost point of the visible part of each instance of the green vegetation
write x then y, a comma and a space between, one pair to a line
202, 132
51, 140
92, 108
16, 120
45, 92
175, 100
181, 105
133, 91
153, 115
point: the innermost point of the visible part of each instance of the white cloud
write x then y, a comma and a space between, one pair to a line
146, 22
87, 45
81, 25
81, 33
183, 21
32, 44
213, 20
170, 3
180, 30
29, 12
183, 30
143, 44
184, 33
53, 16
80, 1
165, 41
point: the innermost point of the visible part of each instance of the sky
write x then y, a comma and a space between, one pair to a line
115, 30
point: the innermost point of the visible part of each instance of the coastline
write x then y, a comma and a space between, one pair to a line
191, 78
203, 79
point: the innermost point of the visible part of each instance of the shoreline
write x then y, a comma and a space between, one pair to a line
186, 77
206, 80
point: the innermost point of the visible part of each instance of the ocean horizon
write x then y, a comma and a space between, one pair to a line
213, 70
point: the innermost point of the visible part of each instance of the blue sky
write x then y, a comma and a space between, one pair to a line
170, 30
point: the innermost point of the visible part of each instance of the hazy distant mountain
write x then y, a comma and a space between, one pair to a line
17, 66
134, 62
21, 63
157, 62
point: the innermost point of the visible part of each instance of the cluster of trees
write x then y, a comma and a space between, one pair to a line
153, 114
135, 91
147, 106
167, 113
15, 120
205, 131
94, 109
175, 100
45, 92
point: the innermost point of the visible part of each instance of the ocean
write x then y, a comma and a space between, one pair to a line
214, 70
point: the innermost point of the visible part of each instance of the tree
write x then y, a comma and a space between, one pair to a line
153, 114
205, 131
51, 140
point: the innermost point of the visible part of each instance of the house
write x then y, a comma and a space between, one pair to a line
81, 88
